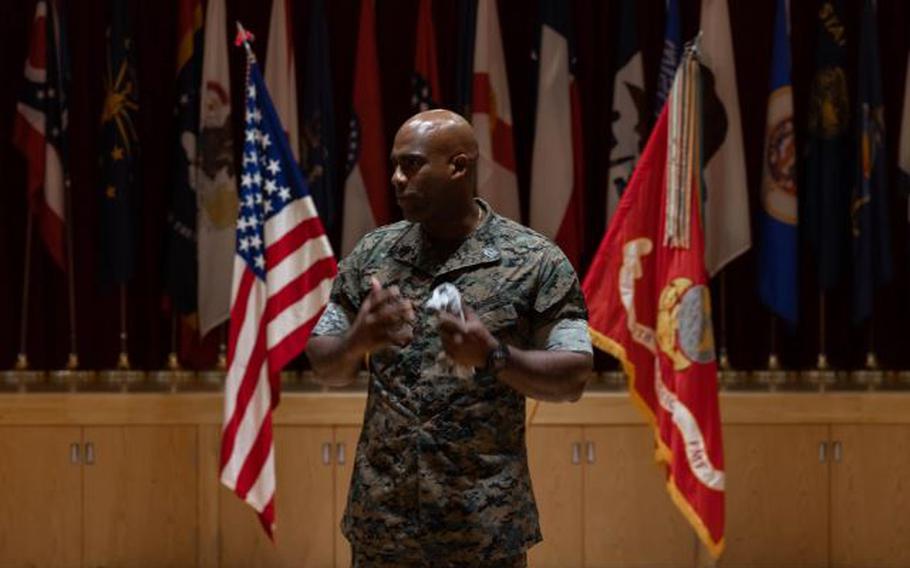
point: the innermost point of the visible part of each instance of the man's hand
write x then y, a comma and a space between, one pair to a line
468, 343
384, 319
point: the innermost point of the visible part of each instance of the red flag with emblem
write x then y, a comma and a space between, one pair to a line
425, 80
649, 301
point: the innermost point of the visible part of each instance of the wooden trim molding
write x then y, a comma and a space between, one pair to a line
346, 409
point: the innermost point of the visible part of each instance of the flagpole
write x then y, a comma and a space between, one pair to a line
22, 357
871, 375
822, 362
729, 377
172, 376
173, 362
20, 376
122, 375
222, 347
72, 362
123, 360
722, 343
772, 376
822, 376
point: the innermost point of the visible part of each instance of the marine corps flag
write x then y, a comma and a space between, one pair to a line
647, 292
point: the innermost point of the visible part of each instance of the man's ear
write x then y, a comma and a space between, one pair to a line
459, 165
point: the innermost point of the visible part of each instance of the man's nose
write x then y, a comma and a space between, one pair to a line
398, 178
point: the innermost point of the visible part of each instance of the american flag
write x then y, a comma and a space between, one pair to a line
283, 272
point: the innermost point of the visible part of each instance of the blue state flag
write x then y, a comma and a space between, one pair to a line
317, 157
120, 149
777, 284
826, 213
869, 207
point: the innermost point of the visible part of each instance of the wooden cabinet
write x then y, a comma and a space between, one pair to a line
345, 451
629, 520
105, 496
40, 496
602, 502
813, 480
870, 495
313, 469
304, 507
554, 457
139, 491
777, 496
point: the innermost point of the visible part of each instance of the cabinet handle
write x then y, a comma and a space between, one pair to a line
838, 451
75, 454
822, 452
576, 453
89, 453
590, 451
326, 453
339, 453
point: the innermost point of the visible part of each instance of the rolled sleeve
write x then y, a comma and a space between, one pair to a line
560, 317
335, 320
564, 335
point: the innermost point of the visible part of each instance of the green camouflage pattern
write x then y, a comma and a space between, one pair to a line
441, 469
365, 559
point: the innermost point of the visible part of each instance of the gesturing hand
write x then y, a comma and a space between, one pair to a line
466, 343
384, 319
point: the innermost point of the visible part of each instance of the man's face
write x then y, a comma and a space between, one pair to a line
420, 174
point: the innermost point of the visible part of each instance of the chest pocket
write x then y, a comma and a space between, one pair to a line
499, 318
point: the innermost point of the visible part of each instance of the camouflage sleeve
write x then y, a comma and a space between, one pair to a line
335, 320
344, 300
564, 335
560, 315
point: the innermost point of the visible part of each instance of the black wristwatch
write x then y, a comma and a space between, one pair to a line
497, 359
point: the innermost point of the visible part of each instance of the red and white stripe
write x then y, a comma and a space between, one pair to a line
366, 189
271, 321
46, 176
557, 175
492, 116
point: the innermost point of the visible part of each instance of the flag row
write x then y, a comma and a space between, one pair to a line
842, 194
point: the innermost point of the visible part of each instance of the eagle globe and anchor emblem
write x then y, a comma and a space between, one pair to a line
684, 329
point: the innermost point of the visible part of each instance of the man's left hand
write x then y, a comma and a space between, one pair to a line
467, 343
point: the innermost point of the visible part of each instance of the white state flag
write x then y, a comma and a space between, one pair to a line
216, 188
280, 73
628, 114
903, 159
492, 116
727, 233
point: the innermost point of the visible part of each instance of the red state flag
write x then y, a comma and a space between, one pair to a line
649, 301
425, 80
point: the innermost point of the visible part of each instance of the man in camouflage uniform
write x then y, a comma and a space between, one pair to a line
441, 474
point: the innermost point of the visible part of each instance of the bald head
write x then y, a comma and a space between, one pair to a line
442, 131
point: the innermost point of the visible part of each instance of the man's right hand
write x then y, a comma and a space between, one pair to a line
384, 319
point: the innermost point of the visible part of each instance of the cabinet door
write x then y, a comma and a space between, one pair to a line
629, 518
777, 483
140, 490
557, 483
345, 452
870, 496
41, 496
304, 498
